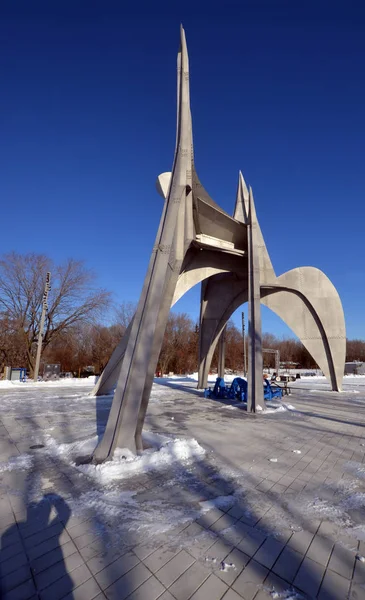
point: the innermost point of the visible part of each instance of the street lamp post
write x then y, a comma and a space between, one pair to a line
244, 346
47, 288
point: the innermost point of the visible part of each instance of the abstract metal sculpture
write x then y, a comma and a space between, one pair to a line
197, 242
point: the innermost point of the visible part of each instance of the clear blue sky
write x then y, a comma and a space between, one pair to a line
87, 108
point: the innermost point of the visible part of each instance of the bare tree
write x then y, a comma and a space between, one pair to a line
124, 313
72, 299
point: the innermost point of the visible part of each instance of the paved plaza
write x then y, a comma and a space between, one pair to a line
274, 508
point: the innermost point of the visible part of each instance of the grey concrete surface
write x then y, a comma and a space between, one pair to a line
297, 524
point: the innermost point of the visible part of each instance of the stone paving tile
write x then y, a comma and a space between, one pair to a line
65, 584
96, 548
23, 592
288, 564
189, 581
12, 564
166, 596
219, 550
58, 570
223, 523
47, 546
249, 518
82, 528
278, 488
149, 590
236, 533
231, 595
116, 569
86, 591
237, 511
265, 486
269, 552
342, 561
320, 549
239, 560
6, 521
213, 588
11, 553
173, 569
359, 572
85, 540
309, 577
274, 585
334, 587
250, 580
251, 542
145, 549
356, 592
200, 546
193, 530
5, 508
159, 558
103, 559
127, 584
14, 579
300, 541
47, 560
210, 517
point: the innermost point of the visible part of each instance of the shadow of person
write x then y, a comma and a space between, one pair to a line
31, 556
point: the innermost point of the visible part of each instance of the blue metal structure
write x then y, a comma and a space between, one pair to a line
238, 390
271, 391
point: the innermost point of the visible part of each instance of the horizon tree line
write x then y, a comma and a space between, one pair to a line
76, 337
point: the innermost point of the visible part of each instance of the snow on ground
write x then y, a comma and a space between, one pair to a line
123, 495
125, 464
17, 463
64, 382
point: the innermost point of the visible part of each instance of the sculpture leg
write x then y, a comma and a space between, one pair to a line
255, 389
221, 353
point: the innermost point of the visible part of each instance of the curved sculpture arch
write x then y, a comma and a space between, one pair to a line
197, 242
326, 349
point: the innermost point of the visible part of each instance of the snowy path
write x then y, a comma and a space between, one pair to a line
207, 512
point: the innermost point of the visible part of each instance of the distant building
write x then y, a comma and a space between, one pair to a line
355, 368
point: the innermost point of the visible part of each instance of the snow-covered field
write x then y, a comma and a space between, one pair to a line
200, 457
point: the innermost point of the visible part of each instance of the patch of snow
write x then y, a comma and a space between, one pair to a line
329, 391
124, 513
324, 509
64, 382
17, 463
354, 501
69, 452
284, 595
124, 464
213, 377
227, 566
155, 440
272, 408
222, 502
